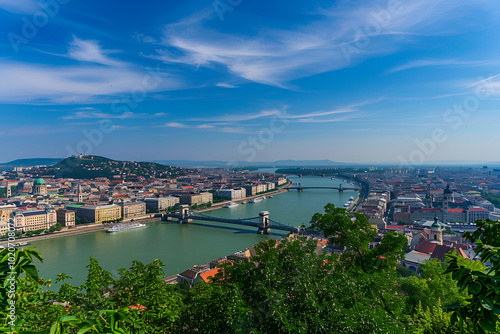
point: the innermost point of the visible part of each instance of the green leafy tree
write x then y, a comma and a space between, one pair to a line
288, 288
434, 320
483, 307
14, 265
354, 233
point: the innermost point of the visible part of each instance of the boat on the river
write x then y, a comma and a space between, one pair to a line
21, 244
124, 227
231, 205
256, 200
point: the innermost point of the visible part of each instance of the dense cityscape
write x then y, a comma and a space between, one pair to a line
432, 207
428, 208
231, 166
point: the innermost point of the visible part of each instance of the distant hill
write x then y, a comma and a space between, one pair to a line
90, 167
229, 164
29, 163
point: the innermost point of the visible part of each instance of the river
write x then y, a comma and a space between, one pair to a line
180, 246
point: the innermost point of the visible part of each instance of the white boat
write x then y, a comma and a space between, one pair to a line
351, 198
256, 200
124, 227
231, 205
21, 244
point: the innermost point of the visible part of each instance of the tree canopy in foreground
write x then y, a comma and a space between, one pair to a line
287, 287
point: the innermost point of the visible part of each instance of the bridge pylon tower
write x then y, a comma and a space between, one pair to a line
341, 189
264, 223
185, 213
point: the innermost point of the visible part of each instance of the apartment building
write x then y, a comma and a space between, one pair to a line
201, 198
133, 209
66, 217
99, 213
34, 220
232, 194
161, 203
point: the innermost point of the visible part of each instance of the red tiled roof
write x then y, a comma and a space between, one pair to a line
430, 210
477, 209
455, 210
462, 253
322, 242
211, 273
395, 227
420, 253
426, 247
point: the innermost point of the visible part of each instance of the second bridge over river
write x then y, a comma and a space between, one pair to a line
263, 223
299, 187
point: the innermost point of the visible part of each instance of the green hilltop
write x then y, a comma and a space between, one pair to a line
89, 167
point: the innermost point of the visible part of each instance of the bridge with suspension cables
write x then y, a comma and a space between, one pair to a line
298, 187
263, 223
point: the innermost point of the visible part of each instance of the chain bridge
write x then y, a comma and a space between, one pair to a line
263, 223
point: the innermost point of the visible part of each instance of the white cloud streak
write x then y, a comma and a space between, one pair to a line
101, 115
44, 84
91, 51
278, 56
435, 62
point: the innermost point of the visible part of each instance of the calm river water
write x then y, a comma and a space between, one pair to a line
180, 246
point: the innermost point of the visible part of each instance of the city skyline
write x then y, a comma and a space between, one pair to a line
246, 81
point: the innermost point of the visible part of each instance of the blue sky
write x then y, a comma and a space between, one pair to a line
351, 81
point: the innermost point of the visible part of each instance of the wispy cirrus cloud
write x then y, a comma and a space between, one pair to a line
175, 125
225, 85
91, 51
207, 127
241, 117
279, 55
282, 113
49, 84
98, 114
89, 82
436, 62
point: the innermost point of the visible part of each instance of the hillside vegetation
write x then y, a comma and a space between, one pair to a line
90, 167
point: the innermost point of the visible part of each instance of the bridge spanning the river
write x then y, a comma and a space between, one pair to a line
298, 187
263, 223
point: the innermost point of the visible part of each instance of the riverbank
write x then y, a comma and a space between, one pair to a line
180, 246
220, 205
150, 218
88, 228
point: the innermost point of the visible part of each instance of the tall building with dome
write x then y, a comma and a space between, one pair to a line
39, 187
436, 234
447, 198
